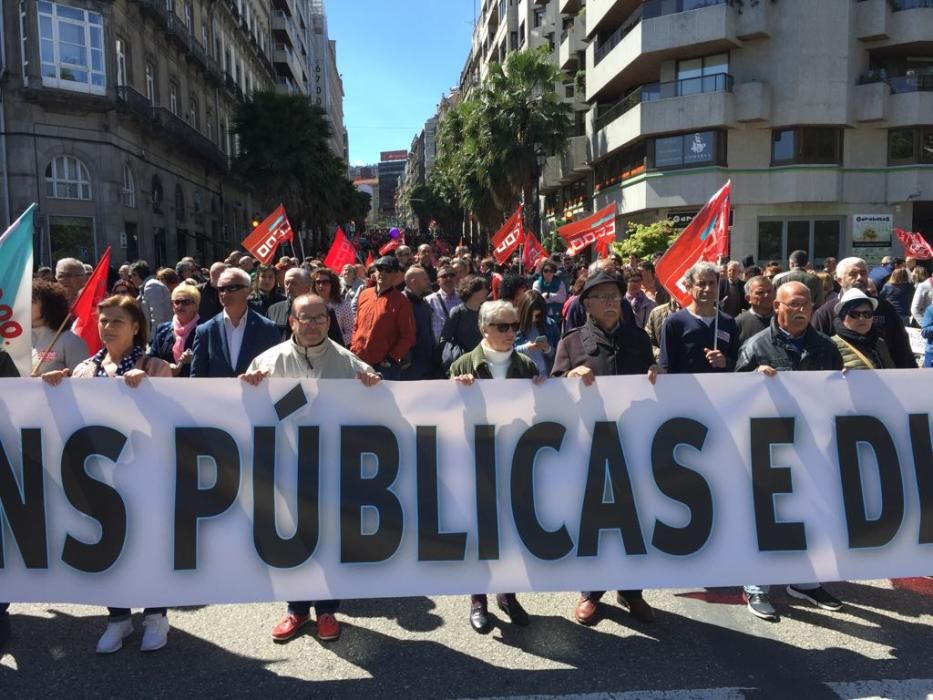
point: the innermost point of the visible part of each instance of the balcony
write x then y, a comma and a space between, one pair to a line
571, 44
634, 52
694, 104
286, 86
550, 175
601, 14
568, 7
287, 63
284, 28
575, 160
128, 100
177, 30
894, 22
214, 73
180, 130
905, 100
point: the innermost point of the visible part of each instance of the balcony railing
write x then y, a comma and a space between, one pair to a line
900, 5
719, 82
918, 82
134, 102
650, 10
181, 130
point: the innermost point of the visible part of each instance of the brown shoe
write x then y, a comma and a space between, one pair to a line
637, 608
587, 611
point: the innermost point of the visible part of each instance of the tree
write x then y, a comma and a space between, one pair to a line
285, 155
645, 241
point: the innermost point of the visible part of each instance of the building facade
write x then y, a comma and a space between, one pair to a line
117, 119
821, 113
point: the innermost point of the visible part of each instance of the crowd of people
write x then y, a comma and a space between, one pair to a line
414, 315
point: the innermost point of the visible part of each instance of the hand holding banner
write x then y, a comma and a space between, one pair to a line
266, 237
704, 238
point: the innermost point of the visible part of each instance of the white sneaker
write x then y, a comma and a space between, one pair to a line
155, 632
112, 639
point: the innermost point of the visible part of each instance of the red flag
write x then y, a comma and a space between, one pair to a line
341, 252
595, 228
369, 259
704, 239
389, 247
84, 309
266, 237
533, 251
508, 238
915, 245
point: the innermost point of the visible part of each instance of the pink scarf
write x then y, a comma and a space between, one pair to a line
181, 335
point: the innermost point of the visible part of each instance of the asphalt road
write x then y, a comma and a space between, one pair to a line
704, 645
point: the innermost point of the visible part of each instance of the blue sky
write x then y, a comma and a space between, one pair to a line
396, 57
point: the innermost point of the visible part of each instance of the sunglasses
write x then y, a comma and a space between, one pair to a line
231, 288
506, 327
182, 302
861, 314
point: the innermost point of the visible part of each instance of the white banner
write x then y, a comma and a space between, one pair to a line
162, 495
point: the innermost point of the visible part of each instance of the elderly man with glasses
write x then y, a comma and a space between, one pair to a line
444, 300
225, 345
69, 273
309, 354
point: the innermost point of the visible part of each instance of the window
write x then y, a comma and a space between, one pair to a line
687, 150
179, 203
696, 75
820, 238
910, 145
157, 194
189, 18
195, 113
120, 50
622, 165
150, 83
67, 178
810, 144
173, 98
128, 191
71, 48
24, 42
210, 124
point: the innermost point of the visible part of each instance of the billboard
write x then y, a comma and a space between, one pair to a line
393, 155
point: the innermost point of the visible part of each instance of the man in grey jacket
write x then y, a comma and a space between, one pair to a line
154, 296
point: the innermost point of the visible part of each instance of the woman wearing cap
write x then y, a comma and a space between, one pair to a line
495, 358
605, 345
859, 343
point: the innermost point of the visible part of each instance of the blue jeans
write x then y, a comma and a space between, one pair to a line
4, 607
928, 356
763, 590
302, 608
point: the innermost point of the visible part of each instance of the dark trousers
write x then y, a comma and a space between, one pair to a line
481, 597
302, 608
596, 595
4, 607
120, 614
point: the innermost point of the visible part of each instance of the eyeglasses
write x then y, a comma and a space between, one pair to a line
797, 305
605, 298
318, 320
861, 314
231, 288
68, 275
506, 327
182, 302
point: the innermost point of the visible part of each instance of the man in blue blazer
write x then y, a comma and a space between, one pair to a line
225, 345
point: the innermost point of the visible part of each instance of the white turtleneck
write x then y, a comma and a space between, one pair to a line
498, 361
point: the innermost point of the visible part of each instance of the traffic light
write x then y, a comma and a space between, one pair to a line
256, 220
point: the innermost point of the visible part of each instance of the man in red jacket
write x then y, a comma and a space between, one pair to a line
385, 325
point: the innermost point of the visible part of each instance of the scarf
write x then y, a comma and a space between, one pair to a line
125, 365
181, 332
865, 344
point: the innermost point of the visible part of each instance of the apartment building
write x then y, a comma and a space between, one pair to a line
821, 113
117, 117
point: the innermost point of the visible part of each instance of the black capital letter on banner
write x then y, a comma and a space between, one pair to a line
93, 498
487, 502
681, 484
433, 545
768, 480
850, 431
923, 466
357, 492
25, 514
192, 502
543, 544
285, 553
620, 512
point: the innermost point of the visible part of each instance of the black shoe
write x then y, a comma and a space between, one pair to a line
4, 632
759, 606
509, 604
636, 606
818, 596
479, 620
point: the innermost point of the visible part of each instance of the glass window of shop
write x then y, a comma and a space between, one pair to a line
910, 145
809, 144
820, 237
687, 150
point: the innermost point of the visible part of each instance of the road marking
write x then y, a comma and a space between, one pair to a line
915, 689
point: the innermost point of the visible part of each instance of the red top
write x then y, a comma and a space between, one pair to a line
384, 328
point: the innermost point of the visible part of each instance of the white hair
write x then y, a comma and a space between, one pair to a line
68, 262
701, 268
490, 309
240, 275
844, 265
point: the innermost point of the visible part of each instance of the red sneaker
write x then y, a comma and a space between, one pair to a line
328, 629
289, 626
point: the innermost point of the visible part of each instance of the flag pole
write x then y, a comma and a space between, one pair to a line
41, 356
716, 321
301, 242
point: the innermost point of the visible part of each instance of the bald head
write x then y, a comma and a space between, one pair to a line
217, 269
789, 290
793, 308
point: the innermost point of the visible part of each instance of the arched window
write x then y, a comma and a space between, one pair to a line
67, 178
179, 203
128, 191
158, 194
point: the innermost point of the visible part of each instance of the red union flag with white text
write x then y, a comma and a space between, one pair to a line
508, 238
533, 251
596, 228
266, 237
915, 245
704, 239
